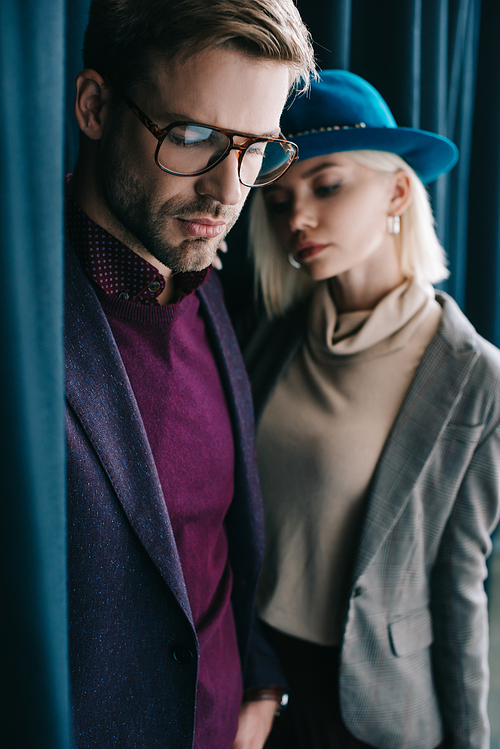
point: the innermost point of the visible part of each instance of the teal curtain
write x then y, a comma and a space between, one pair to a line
33, 631
483, 258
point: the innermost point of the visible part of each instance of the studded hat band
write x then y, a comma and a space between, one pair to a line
327, 129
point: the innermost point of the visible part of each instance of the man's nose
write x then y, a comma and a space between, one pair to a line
222, 182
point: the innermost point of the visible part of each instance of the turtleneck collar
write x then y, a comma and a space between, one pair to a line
371, 332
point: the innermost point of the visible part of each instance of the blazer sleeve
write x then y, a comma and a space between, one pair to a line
459, 603
262, 667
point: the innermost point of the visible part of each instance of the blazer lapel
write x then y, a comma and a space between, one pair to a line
271, 349
426, 409
99, 392
226, 352
247, 515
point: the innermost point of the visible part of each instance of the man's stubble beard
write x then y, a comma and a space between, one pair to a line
135, 209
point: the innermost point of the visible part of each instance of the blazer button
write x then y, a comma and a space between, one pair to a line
357, 591
182, 654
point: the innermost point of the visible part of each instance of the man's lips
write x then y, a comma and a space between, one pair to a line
200, 226
305, 250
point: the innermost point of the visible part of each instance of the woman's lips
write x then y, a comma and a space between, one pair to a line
306, 250
202, 227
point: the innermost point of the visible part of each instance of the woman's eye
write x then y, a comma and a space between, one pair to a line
326, 190
278, 206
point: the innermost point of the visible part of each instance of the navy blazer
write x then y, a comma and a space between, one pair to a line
133, 645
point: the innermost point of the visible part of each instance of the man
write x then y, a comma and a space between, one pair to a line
179, 107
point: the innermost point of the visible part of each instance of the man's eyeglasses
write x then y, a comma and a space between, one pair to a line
187, 149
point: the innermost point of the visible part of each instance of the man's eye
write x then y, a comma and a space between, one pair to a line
257, 149
179, 139
189, 136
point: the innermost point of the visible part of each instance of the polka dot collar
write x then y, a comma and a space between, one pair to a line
121, 273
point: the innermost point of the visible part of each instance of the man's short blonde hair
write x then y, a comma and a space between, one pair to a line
421, 254
123, 36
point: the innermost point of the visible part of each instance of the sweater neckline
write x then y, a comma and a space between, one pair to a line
367, 332
145, 313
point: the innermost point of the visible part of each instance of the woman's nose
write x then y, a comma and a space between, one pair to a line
302, 217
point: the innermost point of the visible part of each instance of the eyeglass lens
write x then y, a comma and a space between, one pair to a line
189, 149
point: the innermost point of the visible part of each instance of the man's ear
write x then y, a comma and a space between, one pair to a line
401, 193
91, 103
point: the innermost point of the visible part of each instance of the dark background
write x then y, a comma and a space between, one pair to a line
436, 62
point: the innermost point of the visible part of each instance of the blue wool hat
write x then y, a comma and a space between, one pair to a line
343, 112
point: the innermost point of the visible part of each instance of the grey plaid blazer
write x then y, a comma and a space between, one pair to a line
414, 667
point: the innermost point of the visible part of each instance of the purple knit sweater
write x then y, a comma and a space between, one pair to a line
180, 397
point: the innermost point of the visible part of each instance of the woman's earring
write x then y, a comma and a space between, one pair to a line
294, 263
393, 224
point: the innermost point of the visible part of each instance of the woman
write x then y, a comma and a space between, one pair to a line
378, 408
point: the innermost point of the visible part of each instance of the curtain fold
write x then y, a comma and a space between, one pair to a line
33, 631
483, 267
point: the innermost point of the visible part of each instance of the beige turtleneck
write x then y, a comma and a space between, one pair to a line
318, 443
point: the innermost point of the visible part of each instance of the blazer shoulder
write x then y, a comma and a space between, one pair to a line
459, 332
276, 335
460, 335
271, 349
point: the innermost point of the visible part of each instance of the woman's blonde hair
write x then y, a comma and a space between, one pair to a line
422, 256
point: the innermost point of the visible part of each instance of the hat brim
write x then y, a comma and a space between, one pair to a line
427, 153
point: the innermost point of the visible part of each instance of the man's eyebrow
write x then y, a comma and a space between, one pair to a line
177, 117
172, 117
319, 168
274, 134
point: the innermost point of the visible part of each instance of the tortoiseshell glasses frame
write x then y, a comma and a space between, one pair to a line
285, 151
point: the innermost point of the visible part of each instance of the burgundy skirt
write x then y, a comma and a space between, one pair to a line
312, 718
